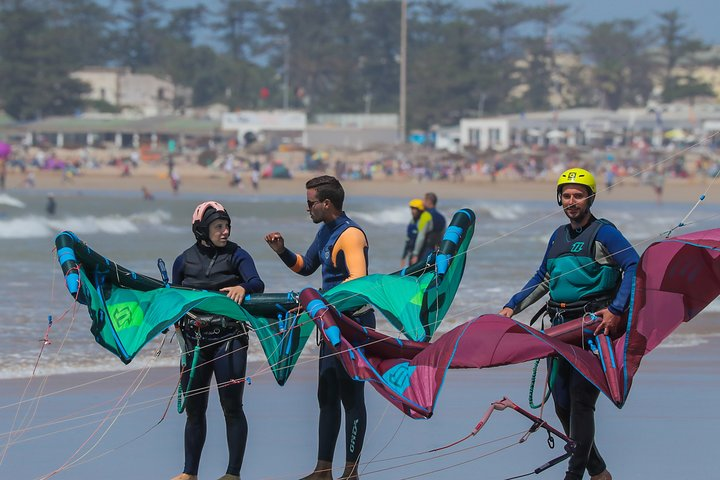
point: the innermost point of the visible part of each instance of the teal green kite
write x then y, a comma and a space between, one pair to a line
129, 309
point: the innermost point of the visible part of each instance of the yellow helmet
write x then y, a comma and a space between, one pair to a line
577, 176
417, 203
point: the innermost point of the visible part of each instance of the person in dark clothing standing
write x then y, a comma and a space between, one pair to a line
435, 235
588, 269
214, 263
341, 248
51, 205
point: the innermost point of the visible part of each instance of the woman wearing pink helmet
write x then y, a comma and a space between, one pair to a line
214, 344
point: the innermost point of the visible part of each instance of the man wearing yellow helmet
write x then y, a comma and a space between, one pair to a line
588, 269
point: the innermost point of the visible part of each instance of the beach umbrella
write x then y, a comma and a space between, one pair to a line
5, 150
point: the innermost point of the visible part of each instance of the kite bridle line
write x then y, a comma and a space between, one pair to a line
18, 431
120, 406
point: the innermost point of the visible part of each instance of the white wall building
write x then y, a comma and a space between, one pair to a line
485, 133
143, 94
282, 126
591, 126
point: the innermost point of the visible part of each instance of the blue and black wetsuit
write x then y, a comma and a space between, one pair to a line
341, 248
410, 237
587, 269
223, 349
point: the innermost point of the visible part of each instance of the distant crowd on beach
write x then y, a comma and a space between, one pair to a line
651, 166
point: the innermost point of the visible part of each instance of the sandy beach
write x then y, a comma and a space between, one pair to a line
665, 431
202, 180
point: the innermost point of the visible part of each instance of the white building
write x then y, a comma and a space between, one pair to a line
485, 133
589, 126
276, 126
143, 94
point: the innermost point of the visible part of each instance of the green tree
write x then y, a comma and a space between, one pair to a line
378, 40
84, 30
502, 50
324, 62
177, 56
34, 79
140, 34
185, 22
240, 24
441, 52
677, 46
617, 53
540, 74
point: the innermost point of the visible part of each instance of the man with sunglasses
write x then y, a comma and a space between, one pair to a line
341, 248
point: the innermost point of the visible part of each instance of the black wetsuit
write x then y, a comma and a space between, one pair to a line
335, 386
434, 236
222, 352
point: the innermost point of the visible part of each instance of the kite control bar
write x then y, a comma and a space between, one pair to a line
538, 423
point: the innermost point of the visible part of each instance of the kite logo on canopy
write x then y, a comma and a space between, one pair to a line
122, 317
399, 376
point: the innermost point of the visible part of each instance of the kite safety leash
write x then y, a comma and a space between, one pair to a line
546, 391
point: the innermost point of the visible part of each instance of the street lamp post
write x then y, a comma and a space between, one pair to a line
403, 70
286, 72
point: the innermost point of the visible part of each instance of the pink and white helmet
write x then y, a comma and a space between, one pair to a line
204, 215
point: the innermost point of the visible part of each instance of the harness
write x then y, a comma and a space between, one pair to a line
561, 312
203, 326
208, 324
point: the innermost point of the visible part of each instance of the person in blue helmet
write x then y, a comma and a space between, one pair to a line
588, 269
214, 263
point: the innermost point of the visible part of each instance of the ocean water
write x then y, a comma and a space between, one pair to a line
509, 241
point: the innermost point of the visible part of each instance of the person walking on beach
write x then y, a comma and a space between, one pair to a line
658, 182
588, 268
214, 263
435, 230
417, 232
175, 180
341, 248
